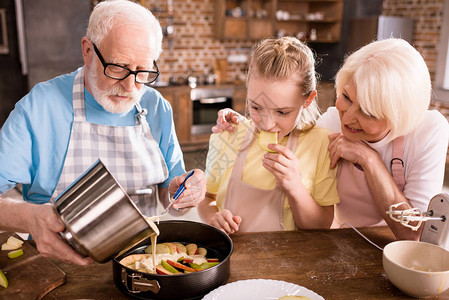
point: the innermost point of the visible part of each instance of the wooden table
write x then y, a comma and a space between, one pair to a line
337, 264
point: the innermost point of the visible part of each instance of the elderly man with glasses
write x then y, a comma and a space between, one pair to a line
104, 110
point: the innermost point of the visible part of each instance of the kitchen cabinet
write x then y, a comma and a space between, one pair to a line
316, 21
239, 100
180, 100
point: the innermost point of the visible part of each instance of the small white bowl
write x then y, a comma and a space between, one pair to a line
418, 269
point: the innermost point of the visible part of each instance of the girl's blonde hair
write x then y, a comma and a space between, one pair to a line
392, 82
284, 58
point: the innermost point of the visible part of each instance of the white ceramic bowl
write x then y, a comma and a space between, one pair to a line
418, 269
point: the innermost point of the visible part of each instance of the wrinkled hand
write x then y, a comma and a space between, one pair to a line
341, 147
226, 120
284, 165
194, 192
45, 226
226, 221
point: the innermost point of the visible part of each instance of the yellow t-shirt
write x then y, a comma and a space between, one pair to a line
311, 151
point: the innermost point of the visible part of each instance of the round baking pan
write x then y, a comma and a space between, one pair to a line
195, 285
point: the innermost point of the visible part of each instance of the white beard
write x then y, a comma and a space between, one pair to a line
102, 97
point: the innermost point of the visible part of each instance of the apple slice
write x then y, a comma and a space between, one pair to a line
191, 249
172, 247
181, 248
13, 241
3, 280
266, 138
187, 260
15, 253
203, 266
169, 267
212, 259
179, 266
160, 249
6, 246
201, 251
161, 270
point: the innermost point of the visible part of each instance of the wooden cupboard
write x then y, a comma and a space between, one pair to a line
316, 21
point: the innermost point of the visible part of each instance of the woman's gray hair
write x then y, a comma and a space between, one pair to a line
108, 13
392, 82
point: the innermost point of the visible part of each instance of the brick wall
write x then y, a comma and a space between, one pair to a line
427, 19
194, 47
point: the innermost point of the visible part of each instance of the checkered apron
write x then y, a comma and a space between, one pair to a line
130, 153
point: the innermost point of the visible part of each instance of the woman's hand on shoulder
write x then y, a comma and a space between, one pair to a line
354, 151
226, 221
226, 120
284, 165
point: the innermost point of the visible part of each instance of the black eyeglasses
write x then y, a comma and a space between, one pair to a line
120, 72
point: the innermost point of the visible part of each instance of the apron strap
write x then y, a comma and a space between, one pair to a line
78, 97
140, 117
397, 164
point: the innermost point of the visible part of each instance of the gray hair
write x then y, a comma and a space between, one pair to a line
108, 13
392, 81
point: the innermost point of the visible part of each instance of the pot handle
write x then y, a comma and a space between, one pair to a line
134, 283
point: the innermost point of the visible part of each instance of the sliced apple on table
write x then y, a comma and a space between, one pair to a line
6, 246
191, 249
266, 138
3, 280
12, 243
15, 253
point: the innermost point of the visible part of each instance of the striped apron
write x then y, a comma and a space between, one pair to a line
129, 152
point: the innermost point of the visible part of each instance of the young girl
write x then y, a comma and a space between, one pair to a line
291, 185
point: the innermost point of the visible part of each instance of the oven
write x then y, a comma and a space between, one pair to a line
206, 104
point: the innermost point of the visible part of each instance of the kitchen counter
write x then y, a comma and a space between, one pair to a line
336, 264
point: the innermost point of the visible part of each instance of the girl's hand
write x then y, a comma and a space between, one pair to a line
226, 120
226, 221
353, 151
284, 165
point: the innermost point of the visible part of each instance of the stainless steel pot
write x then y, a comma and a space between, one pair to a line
184, 286
101, 220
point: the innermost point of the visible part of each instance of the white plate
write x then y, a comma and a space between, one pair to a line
259, 289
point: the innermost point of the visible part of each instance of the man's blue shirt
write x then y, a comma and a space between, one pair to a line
34, 139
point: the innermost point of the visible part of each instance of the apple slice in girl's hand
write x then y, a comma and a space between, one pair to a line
266, 138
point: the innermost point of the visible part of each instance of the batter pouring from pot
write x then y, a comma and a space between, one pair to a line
389, 147
102, 110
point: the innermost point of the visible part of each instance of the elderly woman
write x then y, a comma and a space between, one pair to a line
389, 147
